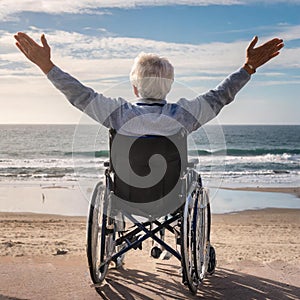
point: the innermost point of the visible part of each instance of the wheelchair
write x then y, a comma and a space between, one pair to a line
171, 198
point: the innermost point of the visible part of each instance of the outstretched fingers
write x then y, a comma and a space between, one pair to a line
26, 38
25, 42
252, 43
280, 45
22, 44
21, 49
274, 47
44, 41
274, 44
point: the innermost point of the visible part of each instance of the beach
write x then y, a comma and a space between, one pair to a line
46, 181
42, 256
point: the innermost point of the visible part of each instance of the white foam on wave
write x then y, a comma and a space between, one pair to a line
48, 163
267, 158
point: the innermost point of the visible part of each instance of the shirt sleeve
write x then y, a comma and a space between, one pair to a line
207, 106
97, 106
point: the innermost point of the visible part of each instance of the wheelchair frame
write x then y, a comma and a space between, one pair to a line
108, 241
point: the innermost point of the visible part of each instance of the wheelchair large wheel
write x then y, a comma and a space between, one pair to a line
190, 277
100, 235
201, 233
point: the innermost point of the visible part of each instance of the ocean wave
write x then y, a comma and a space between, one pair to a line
21, 172
204, 152
245, 152
100, 153
191, 152
264, 159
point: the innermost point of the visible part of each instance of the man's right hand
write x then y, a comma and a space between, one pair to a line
40, 55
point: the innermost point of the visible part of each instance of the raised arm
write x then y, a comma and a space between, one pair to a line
96, 105
206, 106
78, 95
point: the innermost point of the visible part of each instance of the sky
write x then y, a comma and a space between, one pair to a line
97, 41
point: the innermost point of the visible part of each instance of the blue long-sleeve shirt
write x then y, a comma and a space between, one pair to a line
143, 117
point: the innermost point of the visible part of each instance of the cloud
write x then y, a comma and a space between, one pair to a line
8, 8
102, 61
113, 56
289, 33
93, 57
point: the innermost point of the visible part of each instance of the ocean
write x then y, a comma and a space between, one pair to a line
229, 156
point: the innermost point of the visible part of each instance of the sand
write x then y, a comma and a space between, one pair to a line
289, 190
257, 252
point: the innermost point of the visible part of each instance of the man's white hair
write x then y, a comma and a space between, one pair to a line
152, 75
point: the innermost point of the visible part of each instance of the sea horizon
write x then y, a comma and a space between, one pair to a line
227, 153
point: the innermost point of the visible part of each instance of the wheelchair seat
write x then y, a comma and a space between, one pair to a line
146, 173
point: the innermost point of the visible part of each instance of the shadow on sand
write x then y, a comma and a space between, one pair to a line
2, 297
224, 284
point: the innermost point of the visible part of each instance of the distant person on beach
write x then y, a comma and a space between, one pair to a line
151, 77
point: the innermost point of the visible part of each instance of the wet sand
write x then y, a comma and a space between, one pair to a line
288, 190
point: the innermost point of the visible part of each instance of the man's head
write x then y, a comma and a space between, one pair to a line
151, 76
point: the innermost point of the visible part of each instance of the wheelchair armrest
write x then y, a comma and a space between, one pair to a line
192, 163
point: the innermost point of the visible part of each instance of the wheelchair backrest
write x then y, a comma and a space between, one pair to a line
148, 168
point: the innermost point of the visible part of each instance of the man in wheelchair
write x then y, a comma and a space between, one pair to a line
148, 174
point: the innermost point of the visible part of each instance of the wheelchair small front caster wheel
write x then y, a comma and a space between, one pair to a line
156, 252
212, 261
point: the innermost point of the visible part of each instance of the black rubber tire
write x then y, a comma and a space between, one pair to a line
187, 260
99, 236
